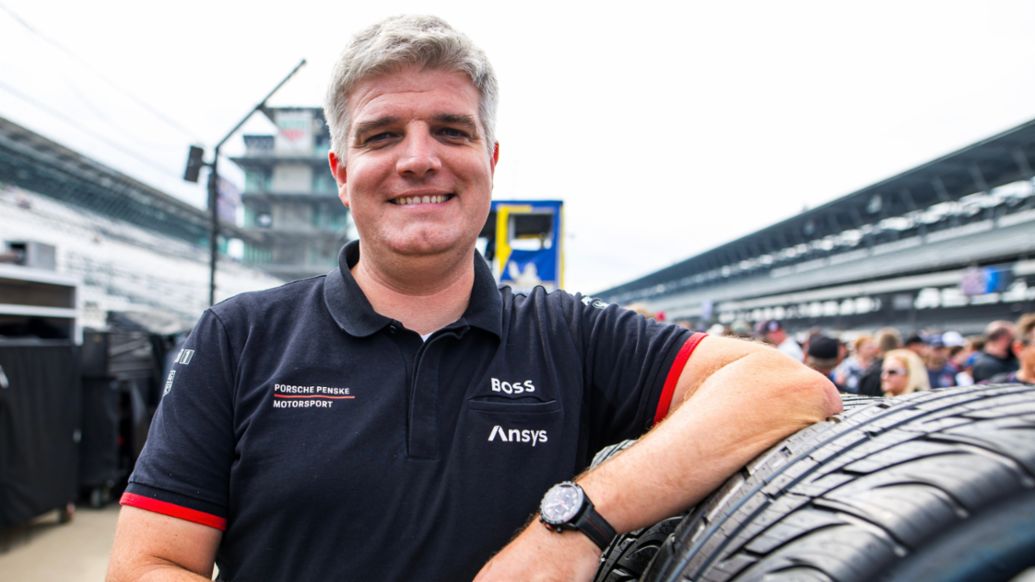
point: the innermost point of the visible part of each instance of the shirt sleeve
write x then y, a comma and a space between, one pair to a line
183, 470
631, 365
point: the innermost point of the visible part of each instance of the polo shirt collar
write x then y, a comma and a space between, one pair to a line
351, 310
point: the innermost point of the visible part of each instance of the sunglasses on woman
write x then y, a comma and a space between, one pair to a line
893, 372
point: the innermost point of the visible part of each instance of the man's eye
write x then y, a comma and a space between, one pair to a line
379, 137
452, 132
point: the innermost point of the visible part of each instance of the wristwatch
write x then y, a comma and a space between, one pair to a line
566, 506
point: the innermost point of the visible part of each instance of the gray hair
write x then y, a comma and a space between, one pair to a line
401, 41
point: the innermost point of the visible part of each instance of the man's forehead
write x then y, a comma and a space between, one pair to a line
451, 91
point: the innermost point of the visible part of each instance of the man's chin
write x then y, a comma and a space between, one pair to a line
426, 248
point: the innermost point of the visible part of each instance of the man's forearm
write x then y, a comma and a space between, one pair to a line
736, 414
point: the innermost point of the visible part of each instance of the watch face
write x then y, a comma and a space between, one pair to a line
561, 503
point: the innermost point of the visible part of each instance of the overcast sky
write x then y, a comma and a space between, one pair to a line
667, 128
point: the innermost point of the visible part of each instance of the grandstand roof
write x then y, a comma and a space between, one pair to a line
995, 161
36, 163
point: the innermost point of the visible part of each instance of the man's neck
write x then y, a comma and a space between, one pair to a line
424, 295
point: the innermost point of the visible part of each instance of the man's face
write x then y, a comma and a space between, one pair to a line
418, 174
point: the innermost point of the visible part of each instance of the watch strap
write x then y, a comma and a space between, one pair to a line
590, 522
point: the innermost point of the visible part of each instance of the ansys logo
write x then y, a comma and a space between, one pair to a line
515, 435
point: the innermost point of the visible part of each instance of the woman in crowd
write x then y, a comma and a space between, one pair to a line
903, 372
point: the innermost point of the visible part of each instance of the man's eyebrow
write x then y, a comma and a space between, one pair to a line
363, 127
457, 119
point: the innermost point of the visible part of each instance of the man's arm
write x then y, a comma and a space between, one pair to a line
734, 400
152, 546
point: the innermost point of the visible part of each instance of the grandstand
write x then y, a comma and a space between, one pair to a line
950, 243
138, 252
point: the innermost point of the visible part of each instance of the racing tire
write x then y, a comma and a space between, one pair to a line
629, 554
932, 485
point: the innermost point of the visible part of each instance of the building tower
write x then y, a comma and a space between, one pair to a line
290, 198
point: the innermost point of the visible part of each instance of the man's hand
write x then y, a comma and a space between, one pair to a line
538, 554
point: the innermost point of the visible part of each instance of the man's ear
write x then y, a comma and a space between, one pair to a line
340, 172
495, 157
338, 169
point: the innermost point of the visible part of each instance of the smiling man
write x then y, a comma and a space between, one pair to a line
402, 417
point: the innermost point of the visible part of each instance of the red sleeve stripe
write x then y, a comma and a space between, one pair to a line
173, 510
665, 401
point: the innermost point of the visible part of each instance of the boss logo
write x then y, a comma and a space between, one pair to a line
512, 388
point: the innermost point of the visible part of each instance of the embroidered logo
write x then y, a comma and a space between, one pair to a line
593, 302
309, 396
516, 435
169, 382
512, 388
184, 357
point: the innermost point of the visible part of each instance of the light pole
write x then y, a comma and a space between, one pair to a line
194, 164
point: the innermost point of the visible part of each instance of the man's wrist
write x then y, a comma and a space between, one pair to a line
572, 540
567, 506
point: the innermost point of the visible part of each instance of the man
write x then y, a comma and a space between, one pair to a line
773, 333
401, 417
1024, 349
996, 356
824, 355
917, 344
941, 372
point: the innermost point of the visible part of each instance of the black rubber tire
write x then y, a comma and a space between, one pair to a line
889, 489
630, 554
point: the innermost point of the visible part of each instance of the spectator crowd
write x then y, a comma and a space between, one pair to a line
885, 362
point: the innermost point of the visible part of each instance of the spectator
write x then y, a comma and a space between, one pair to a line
848, 374
963, 358
772, 332
824, 354
1024, 349
887, 339
918, 345
940, 370
903, 372
996, 357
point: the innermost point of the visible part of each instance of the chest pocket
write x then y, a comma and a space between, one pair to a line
514, 429
515, 424
518, 448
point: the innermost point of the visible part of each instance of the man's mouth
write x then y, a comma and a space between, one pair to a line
411, 200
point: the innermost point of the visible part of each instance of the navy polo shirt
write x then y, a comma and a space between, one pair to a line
328, 442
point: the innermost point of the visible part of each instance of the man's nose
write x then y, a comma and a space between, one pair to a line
419, 154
